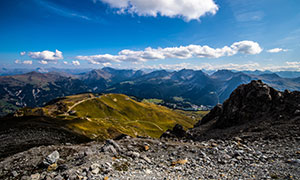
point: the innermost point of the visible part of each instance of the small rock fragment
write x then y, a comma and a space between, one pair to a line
14, 173
146, 148
180, 161
133, 154
146, 159
52, 167
51, 158
35, 176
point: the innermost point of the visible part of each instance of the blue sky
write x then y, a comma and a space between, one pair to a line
169, 34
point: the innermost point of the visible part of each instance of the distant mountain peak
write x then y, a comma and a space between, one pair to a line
270, 75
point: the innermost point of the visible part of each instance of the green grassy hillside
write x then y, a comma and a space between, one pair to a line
107, 116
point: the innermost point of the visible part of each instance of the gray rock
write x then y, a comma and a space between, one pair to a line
35, 176
51, 158
58, 177
294, 161
14, 173
109, 149
146, 159
96, 170
133, 154
297, 112
112, 142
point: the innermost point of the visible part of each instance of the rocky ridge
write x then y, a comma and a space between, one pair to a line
255, 110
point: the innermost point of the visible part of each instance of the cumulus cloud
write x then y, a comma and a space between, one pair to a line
22, 53
277, 50
106, 64
27, 62
288, 66
76, 63
181, 52
247, 47
187, 9
17, 61
46, 55
293, 63
43, 62
206, 66
65, 62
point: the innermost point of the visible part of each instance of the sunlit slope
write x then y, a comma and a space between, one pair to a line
107, 116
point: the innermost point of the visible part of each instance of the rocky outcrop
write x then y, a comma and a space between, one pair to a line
176, 132
252, 106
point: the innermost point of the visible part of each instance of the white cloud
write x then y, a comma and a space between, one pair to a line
65, 62
46, 55
231, 66
99, 58
277, 50
27, 62
181, 52
17, 61
22, 53
106, 64
43, 62
187, 9
289, 66
206, 66
76, 63
247, 47
293, 63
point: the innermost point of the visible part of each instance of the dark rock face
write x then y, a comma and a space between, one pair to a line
254, 110
177, 132
252, 101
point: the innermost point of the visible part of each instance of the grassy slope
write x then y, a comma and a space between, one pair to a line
107, 116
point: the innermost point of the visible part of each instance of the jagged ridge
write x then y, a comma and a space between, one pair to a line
253, 107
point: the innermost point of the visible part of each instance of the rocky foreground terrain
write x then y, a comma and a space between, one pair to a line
133, 158
255, 134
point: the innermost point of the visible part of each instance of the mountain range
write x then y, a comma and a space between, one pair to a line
176, 88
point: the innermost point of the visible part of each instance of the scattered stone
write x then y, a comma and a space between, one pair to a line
14, 173
95, 168
112, 142
148, 171
58, 177
297, 112
51, 158
181, 161
35, 176
294, 161
238, 139
52, 167
176, 132
146, 159
133, 154
109, 149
